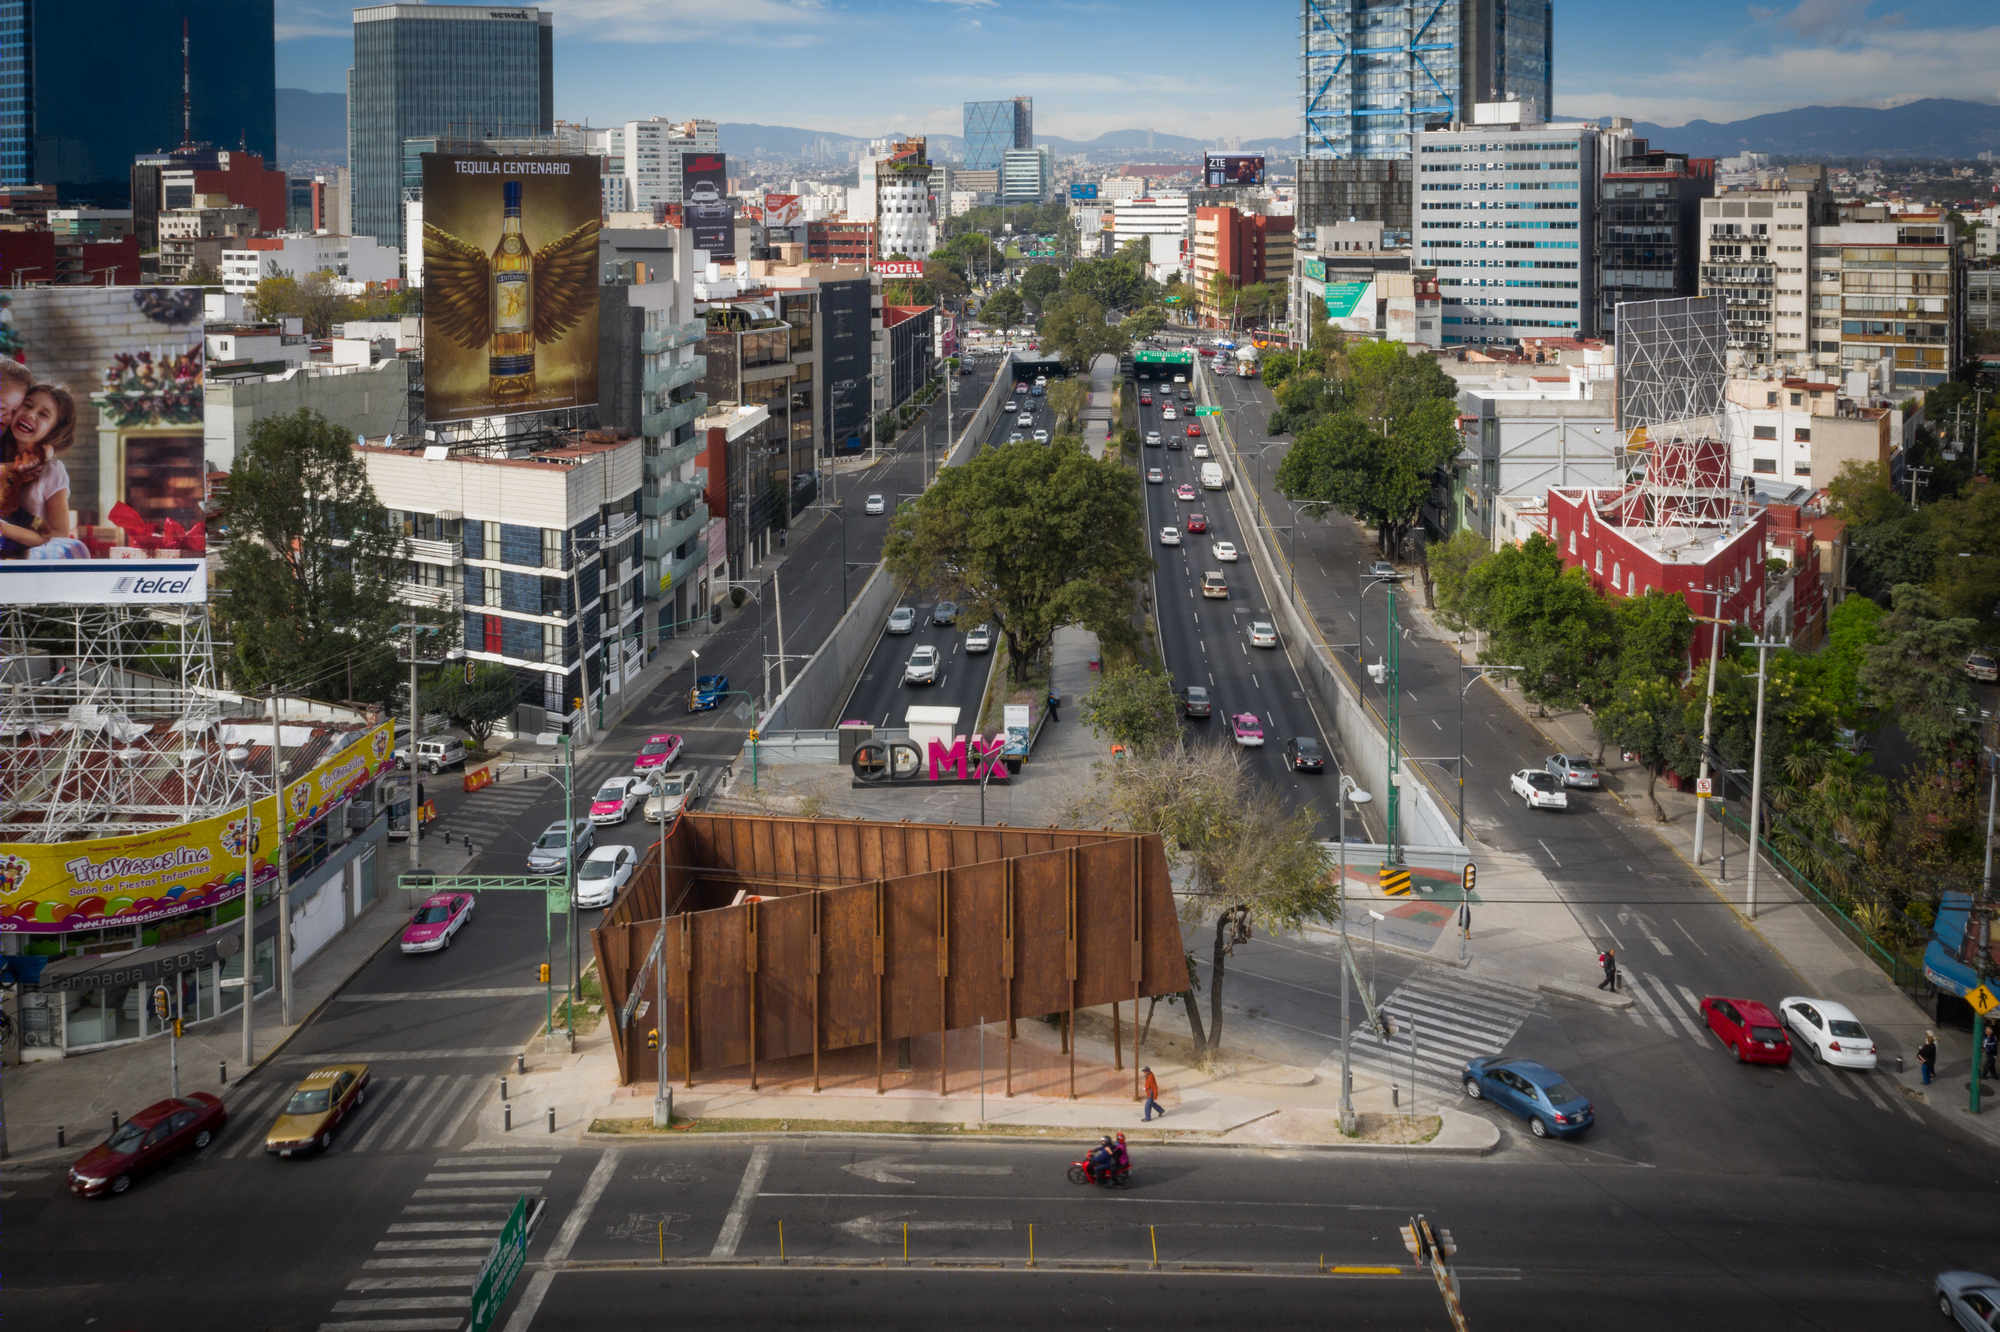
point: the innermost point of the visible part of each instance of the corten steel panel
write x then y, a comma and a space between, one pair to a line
608, 944
847, 989
721, 990
911, 947
1104, 922
1041, 904
784, 977
976, 985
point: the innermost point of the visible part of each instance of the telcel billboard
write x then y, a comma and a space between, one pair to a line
134, 582
510, 284
1222, 170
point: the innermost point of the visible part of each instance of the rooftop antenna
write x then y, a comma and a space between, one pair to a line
187, 98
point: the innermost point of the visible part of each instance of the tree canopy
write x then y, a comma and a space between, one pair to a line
1074, 327
1916, 669
1543, 618
1029, 537
1134, 707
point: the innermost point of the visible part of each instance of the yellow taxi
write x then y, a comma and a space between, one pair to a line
324, 1097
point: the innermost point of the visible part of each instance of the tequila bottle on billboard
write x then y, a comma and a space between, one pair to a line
511, 358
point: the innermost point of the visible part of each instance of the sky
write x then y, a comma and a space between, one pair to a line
873, 67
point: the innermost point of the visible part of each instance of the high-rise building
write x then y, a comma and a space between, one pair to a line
1026, 175
991, 128
456, 72
86, 88
1243, 249
1740, 236
903, 218
647, 153
1506, 214
1648, 222
163, 181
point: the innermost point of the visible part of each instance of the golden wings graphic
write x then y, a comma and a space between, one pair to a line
458, 297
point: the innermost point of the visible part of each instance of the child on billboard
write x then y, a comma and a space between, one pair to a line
40, 424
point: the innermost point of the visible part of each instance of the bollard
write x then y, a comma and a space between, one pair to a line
1899, 1063
520, 1062
1154, 1231
781, 1242
222, 1071
114, 1121
552, 1119
1395, 1095
59, 1136
503, 1086
507, 1119
1031, 1244
906, 1244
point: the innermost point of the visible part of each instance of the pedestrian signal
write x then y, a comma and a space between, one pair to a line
545, 973
653, 1039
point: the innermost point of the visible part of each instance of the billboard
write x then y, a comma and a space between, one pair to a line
1342, 297
101, 448
1671, 360
136, 581
1222, 170
139, 877
705, 204
1314, 270
510, 284
1083, 193
781, 210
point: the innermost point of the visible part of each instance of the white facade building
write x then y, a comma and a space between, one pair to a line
1026, 174
355, 259
647, 153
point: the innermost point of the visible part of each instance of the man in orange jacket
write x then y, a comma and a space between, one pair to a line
1152, 1105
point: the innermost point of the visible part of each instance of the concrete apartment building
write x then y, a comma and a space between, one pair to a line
1648, 241
350, 258
1234, 250
646, 156
1795, 434
1506, 214
199, 234
1165, 221
904, 224
1753, 253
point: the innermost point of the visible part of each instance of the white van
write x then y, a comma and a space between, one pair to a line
1211, 476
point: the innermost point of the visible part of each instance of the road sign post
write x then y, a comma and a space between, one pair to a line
503, 1263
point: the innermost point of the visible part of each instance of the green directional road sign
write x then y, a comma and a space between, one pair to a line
503, 1264
1208, 411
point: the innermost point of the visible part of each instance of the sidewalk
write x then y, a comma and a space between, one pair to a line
82, 1092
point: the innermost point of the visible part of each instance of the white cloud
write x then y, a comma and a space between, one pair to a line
969, 4
294, 20
773, 23
1825, 22
1879, 67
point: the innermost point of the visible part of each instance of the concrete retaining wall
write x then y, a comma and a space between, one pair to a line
1424, 819
989, 407
819, 689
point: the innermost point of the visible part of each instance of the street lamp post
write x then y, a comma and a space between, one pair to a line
1757, 773
1717, 632
1386, 674
1350, 790
663, 1096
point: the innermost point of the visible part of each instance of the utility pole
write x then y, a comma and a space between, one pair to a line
416, 717
1917, 474
1350, 790
1979, 922
249, 919
1385, 674
284, 869
1718, 630
1757, 772
1434, 1249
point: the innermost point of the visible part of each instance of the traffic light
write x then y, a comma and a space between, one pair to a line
161, 1002
753, 735
1412, 1241
544, 978
177, 1028
469, 666
1446, 1243
1471, 875
653, 1039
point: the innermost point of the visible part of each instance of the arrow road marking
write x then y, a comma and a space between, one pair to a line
887, 1227
887, 1170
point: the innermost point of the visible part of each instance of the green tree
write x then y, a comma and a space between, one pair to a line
1114, 284
1646, 716
1452, 563
1142, 323
1039, 284
1067, 398
1248, 858
945, 281
1860, 494
1543, 618
1965, 536
275, 298
202, 275
1916, 670
1852, 628
1653, 632
1029, 537
1074, 326
478, 705
1133, 707
1003, 309
299, 605
1376, 478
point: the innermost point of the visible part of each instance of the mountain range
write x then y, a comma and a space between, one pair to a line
313, 127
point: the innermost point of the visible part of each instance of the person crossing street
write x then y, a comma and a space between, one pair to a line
1609, 961
1152, 1104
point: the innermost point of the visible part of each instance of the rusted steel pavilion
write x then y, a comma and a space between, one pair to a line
788, 936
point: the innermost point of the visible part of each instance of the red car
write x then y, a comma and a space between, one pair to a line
1185, 490
1194, 431
659, 751
1197, 522
1751, 1031
147, 1141
1145, 400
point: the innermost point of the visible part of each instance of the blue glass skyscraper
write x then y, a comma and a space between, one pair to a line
460, 72
87, 85
991, 128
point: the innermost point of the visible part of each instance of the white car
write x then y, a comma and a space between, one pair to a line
1835, 1035
922, 667
616, 799
1025, 419
1153, 438
1012, 406
1224, 551
1041, 437
677, 791
1262, 634
1154, 476
1539, 789
1201, 449
875, 504
603, 873
980, 639
1170, 536
1169, 414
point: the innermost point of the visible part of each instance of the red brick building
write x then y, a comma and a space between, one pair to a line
840, 242
1244, 248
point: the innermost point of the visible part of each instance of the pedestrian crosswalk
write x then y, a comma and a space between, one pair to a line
1441, 1018
415, 1113
423, 1269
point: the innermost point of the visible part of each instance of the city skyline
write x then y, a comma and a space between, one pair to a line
1744, 60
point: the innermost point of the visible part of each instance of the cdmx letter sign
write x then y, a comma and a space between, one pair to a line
898, 762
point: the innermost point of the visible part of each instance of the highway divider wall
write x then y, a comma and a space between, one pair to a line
1425, 820
989, 408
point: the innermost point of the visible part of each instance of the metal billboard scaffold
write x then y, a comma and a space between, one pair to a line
1672, 372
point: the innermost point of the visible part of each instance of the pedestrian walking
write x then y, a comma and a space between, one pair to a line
1990, 1047
1055, 704
1152, 1106
1608, 959
1927, 1056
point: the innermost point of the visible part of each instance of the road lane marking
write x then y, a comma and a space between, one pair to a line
416, 1246
403, 997
395, 1325
446, 1177
573, 1224
1674, 1008
1552, 856
431, 1227
402, 1302
404, 1123
503, 1191
1601, 925
451, 1128
465, 1279
1690, 938
398, 1056
1861, 1081
731, 1233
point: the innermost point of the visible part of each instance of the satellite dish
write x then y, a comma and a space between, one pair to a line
237, 753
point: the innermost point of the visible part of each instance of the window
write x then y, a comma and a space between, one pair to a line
552, 548
1572, 543
1615, 572
1801, 435
1771, 398
492, 639
1631, 585
1768, 466
1764, 432
1599, 566
1799, 399
1801, 469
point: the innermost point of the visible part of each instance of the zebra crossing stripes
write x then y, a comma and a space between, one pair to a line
1451, 1016
400, 1113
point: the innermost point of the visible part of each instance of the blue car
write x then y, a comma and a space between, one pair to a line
1533, 1091
707, 692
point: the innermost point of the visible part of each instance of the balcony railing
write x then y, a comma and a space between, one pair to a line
672, 534
674, 494
423, 594
662, 423
677, 572
620, 524
435, 552
674, 335
666, 461
670, 377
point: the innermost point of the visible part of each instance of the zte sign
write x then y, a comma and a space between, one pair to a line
172, 582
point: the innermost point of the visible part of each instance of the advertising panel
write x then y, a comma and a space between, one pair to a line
139, 877
781, 210
1342, 297
705, 204
1223, 170
138, 581
1314, 269
1015, 718
1672, 358
101, 451
510, 284
899, 268
1083, 193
